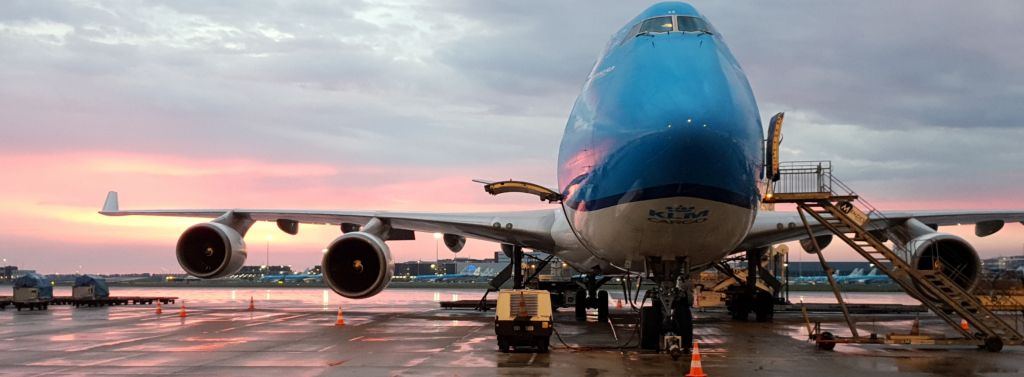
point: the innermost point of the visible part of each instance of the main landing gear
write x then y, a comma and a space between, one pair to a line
590, 297
667, 325
742, 299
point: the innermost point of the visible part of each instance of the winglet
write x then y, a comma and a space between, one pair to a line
110, 205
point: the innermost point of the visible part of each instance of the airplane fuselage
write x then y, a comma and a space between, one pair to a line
662, 154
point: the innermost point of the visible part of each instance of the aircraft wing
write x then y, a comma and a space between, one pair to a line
957, 217
777, 227
530, 229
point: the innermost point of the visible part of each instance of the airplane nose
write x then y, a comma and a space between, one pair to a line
674, 117
689, 156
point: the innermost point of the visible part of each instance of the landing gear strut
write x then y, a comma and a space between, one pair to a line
667, 325
590, 297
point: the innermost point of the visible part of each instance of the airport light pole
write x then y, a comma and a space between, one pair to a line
437, 255
269, 237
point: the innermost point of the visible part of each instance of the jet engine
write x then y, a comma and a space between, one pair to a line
808, 245
211, 250
454, 242
956, 258
357, 265
953, 255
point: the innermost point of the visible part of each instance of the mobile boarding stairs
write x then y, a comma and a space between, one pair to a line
826, 204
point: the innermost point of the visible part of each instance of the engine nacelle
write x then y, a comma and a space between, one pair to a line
357, 265
454, 242
959, 261
808, 245
211, 250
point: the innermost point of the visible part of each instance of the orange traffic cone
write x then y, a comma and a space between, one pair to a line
341, 319
252, 304
964, 325
696, 370
159, 309
182, 312
618, 304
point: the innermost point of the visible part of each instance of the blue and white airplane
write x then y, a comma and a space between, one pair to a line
872, 277
659, 172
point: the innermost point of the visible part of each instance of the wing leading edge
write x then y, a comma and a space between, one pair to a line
530, 229
777, 227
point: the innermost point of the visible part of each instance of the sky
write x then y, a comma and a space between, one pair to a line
397, 105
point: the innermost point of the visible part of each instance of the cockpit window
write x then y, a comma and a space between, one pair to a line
693, 24
668, 24
656, 25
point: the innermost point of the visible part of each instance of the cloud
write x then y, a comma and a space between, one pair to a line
880, 65
396, 104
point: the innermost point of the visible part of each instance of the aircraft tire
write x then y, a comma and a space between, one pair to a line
650, 327
602, 306
764, 307
739, 304
739, 314
581, 305
682, 318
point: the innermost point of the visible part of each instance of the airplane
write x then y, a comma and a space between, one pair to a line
817, 279
872, 277
660, 173
857, 276
822, 279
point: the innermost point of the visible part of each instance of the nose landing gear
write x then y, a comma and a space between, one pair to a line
590, 297
667, 325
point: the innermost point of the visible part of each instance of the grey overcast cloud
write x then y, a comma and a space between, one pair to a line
397, 104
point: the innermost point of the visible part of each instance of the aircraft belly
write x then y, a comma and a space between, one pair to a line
700, 229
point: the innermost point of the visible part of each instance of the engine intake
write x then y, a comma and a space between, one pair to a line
210, 250
956, 258
357, 265
929, 250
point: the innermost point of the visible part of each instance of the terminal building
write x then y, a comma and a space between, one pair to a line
258, 272
1011, 263
484, 268
9, 273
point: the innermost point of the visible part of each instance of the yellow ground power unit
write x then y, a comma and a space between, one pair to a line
523, 319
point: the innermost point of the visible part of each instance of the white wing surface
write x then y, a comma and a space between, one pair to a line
531, 229
776, 227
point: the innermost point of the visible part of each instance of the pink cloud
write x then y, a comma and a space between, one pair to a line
53, 199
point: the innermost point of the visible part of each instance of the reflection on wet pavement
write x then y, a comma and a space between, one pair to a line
402, 332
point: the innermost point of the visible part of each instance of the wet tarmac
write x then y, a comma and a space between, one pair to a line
403, 332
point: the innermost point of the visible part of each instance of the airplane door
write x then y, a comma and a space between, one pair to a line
771, 159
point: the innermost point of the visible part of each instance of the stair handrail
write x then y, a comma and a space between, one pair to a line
952, 271
816, 176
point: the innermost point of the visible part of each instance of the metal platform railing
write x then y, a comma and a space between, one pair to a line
803, 177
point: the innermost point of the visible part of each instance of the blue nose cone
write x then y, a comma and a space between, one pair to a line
668, 115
